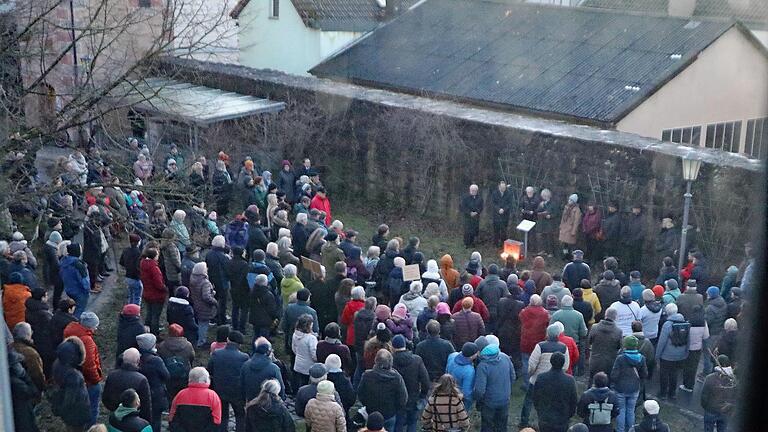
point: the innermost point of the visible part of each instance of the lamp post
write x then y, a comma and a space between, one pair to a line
690, 173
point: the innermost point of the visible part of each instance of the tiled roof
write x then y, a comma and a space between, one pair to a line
577, 63
748, 11
337, 15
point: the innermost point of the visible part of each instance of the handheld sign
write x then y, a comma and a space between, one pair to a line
411, 273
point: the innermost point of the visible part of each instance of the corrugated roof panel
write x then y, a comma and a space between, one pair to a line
568, 61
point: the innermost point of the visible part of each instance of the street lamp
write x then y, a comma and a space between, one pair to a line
691, 168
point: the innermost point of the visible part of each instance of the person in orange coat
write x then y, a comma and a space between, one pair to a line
15, 295
322, 203
91, 367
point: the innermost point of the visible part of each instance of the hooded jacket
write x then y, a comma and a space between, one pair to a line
591, 297
462, 369
180, 312
434, 274
448, 273
382, 390
347, 320
69, 398
304, 346
331, 254
629, 369
539, 276
716, 312
74, 275
664, 348
650, 314
557, 289
128, 327
494, 377
14, 298
127, 419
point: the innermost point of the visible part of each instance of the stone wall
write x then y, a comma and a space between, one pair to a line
414, 156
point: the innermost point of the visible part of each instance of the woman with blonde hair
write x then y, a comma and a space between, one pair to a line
445, 408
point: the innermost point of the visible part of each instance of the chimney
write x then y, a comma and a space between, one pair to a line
681, 8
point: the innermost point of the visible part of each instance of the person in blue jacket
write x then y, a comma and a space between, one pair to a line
460, 366
74, 275
493, 387
671, 353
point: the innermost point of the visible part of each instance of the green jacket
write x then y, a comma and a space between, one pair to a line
671, 296
288, 286
125, 419
572, 320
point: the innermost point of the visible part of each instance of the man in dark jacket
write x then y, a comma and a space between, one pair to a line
382, 389
153, 368
604, 342
299, 235
434, 351
576, 270
554, 396
501, 205
491, 290
61, 319
598, 406
180, 312
256, 237
317, 373
629, 371
69, 398
129, 260
237, 272
688, 299
39, 318
323, 295
224, 366
129, 326
633, 237
126, 417
258, 369
24, 393
411, 367
471, 206
612, 230
263, 308
218, 262
125, 377
362, 323
191, 257
715, 312
719, 395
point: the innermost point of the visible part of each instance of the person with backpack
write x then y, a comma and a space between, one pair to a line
651, 421
629, 371
599, 405
718, 396
697, 340
672, 351
178, 354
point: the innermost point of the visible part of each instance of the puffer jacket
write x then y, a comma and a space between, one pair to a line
533, 327
444, 413
74, 275
14, 298
491, 290
539, 362
494, 377
92, 366
201, 295
155, 290
304, 346
69, 397
323, 414
462, 369
468, 326
605, 343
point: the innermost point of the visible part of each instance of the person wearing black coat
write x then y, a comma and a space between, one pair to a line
256, 237
508, 327
153, 368
93, 240
554, 396
61, 319
604, 398
191, 257
299, 235
126, 418
417, 382
224, 366
470, 207
612, 231
237, 271
323, 300
501, 206
39, 318
434, 351
24, 393
585, 308
263, 307
129, 326
257, 370
180, 312
125, 377
69, 396
218, 262
51, 267
341, 383
268, 413
382, 388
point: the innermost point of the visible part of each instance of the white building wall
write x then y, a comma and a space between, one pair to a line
206, 26
726, 83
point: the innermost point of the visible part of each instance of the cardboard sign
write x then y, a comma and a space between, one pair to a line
411, 273
312, 266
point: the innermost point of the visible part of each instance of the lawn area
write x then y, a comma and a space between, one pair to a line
436, 240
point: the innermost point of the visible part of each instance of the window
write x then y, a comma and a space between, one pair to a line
688, 135
274, 9
756, 141
724, 136
145, 3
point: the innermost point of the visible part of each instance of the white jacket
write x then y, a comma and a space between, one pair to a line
304, 346
626, 314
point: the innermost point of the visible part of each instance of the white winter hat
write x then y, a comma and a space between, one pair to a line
651, 407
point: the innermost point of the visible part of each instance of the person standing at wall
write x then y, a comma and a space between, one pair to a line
501, 204
570, 222
471, 206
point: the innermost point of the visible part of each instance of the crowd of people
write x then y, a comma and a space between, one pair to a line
362, 345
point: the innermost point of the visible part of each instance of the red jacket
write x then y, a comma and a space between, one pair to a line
92, 364
152, 279
348, 317
197, 405
573, 351
475, 281
686, 273
322, 204
533, 327
478, 306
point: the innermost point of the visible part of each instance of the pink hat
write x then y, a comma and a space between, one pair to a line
443, 309
213, 216
382, 312
400, 311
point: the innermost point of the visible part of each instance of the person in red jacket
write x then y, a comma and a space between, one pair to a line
534, 320
477, 305
322, 203
155, 292
91, 367
348, 315
196, 408
573, 349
